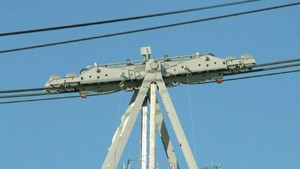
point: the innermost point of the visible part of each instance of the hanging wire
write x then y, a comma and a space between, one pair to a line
26, 95
276, 63
125, 19
262, 75
147, 29
119, 110
192, 117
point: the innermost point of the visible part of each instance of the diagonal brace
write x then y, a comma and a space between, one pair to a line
123, 131
165, 138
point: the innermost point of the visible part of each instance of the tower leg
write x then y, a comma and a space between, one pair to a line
184, 145
123, 131
165, 138
128, 119
144, 122
153, 90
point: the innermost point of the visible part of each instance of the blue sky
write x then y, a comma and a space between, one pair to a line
245, 124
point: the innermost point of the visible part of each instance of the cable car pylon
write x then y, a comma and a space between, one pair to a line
153, 80
146, 79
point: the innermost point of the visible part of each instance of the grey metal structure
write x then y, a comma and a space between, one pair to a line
144, 78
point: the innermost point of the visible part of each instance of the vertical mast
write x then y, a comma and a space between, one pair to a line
144, 121
153, 89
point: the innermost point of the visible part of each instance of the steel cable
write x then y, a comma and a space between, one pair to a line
147, 29
124, 19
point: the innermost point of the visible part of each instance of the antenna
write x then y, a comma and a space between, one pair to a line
146, 52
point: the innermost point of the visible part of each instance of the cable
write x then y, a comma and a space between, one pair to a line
192, 118
26, 95
231, 79
22, 90
148, 29
124, 19
43, 99
262, 75
278, 62
267, 69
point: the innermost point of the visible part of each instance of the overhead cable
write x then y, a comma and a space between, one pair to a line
42, 99
26, 95
261, 75
148, 29
268, 69
230, 79
22, 90
125, 19
276, 63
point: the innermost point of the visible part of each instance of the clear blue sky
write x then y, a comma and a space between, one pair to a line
245, 124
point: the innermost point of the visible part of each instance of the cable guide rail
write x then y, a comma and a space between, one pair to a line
197, 68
